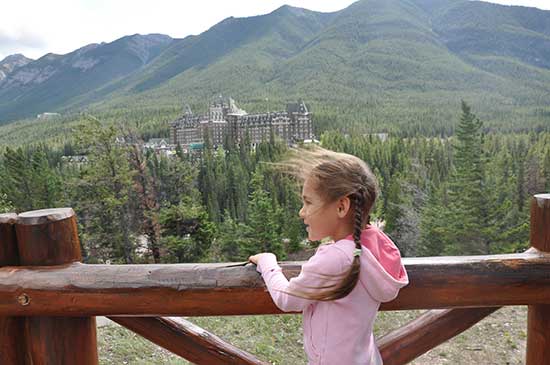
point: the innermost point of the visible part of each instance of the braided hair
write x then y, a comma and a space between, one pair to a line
338, 175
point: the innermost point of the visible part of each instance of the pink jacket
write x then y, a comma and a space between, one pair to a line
340, 331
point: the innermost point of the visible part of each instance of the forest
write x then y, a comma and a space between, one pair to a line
457, 193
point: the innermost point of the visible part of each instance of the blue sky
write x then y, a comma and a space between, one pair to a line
37, 27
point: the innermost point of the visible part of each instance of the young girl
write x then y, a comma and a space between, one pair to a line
341, 287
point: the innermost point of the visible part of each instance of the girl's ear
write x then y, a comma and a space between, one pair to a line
344, 205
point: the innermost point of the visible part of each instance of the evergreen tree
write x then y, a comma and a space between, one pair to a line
467, 199
262, 217
434, 228
208, 181
187, 231
233, 239
29, 181
102, 194
146, 202
5, 205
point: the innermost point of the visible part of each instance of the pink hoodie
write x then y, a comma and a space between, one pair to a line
340, 331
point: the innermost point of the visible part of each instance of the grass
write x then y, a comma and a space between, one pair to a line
498, 339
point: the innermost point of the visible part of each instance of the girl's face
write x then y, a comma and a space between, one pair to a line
322, 219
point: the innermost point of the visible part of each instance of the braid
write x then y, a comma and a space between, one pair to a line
358, 202
336, 175
352, 276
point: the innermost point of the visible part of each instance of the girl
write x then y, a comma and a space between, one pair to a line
341, 287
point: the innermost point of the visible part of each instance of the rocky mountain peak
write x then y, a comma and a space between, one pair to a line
11, 63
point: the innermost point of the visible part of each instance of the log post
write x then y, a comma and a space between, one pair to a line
538, 317
11, 328
49, 237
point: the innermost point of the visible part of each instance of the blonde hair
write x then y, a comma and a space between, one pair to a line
335, 175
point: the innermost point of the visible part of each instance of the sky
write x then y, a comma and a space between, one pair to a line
37, 27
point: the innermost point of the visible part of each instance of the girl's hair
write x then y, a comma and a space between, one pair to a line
335, 175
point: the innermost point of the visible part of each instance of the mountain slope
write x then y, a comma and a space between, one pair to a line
374, 48
389, 54
53, 80
12, 63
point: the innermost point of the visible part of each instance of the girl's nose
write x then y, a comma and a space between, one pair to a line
301, 213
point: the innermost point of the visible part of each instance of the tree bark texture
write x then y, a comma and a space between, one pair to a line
538, 316
49, 237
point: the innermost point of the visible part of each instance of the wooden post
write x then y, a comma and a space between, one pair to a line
538, 317
49, 237
11, 328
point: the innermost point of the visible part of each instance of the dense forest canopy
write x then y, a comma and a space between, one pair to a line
456, 176
466, 193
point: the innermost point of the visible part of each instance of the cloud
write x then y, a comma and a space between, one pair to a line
20, 38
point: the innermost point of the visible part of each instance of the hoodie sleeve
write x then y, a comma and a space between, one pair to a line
322, 271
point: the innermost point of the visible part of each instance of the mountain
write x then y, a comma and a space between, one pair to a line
54, 80
12, 63
405, 59
237, 52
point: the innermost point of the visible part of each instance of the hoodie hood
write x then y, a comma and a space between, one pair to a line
382, 272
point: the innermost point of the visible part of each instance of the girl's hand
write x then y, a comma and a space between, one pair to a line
255, 258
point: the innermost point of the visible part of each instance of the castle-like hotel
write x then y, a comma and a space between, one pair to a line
226, 119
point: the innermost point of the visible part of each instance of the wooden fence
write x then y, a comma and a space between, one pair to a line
48, 299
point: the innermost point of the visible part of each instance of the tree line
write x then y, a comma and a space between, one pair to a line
467, 193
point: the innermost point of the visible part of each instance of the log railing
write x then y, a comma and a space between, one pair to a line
48, 299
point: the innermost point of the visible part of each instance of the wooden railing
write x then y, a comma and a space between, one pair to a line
48, 299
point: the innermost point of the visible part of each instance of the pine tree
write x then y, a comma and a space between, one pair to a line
208, 183
434, 230
232, 238
262, 220
29, 181
187, 230
147, 204
5, 204
103, 194
467, 199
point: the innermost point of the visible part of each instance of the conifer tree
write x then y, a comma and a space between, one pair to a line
262, 220
102, 194
467, 199
208, 183
187, 231
5, 204
29, 181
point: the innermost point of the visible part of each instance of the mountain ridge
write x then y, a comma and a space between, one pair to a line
394, 49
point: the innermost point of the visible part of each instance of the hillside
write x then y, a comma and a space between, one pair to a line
400, 62
53, 81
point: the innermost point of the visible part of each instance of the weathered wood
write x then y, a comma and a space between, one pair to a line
538, 316
44, 216
540, 222
222, 289
12, 341
185, 339
429, 330
61, 340
538, 333
49, 237
8, 243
